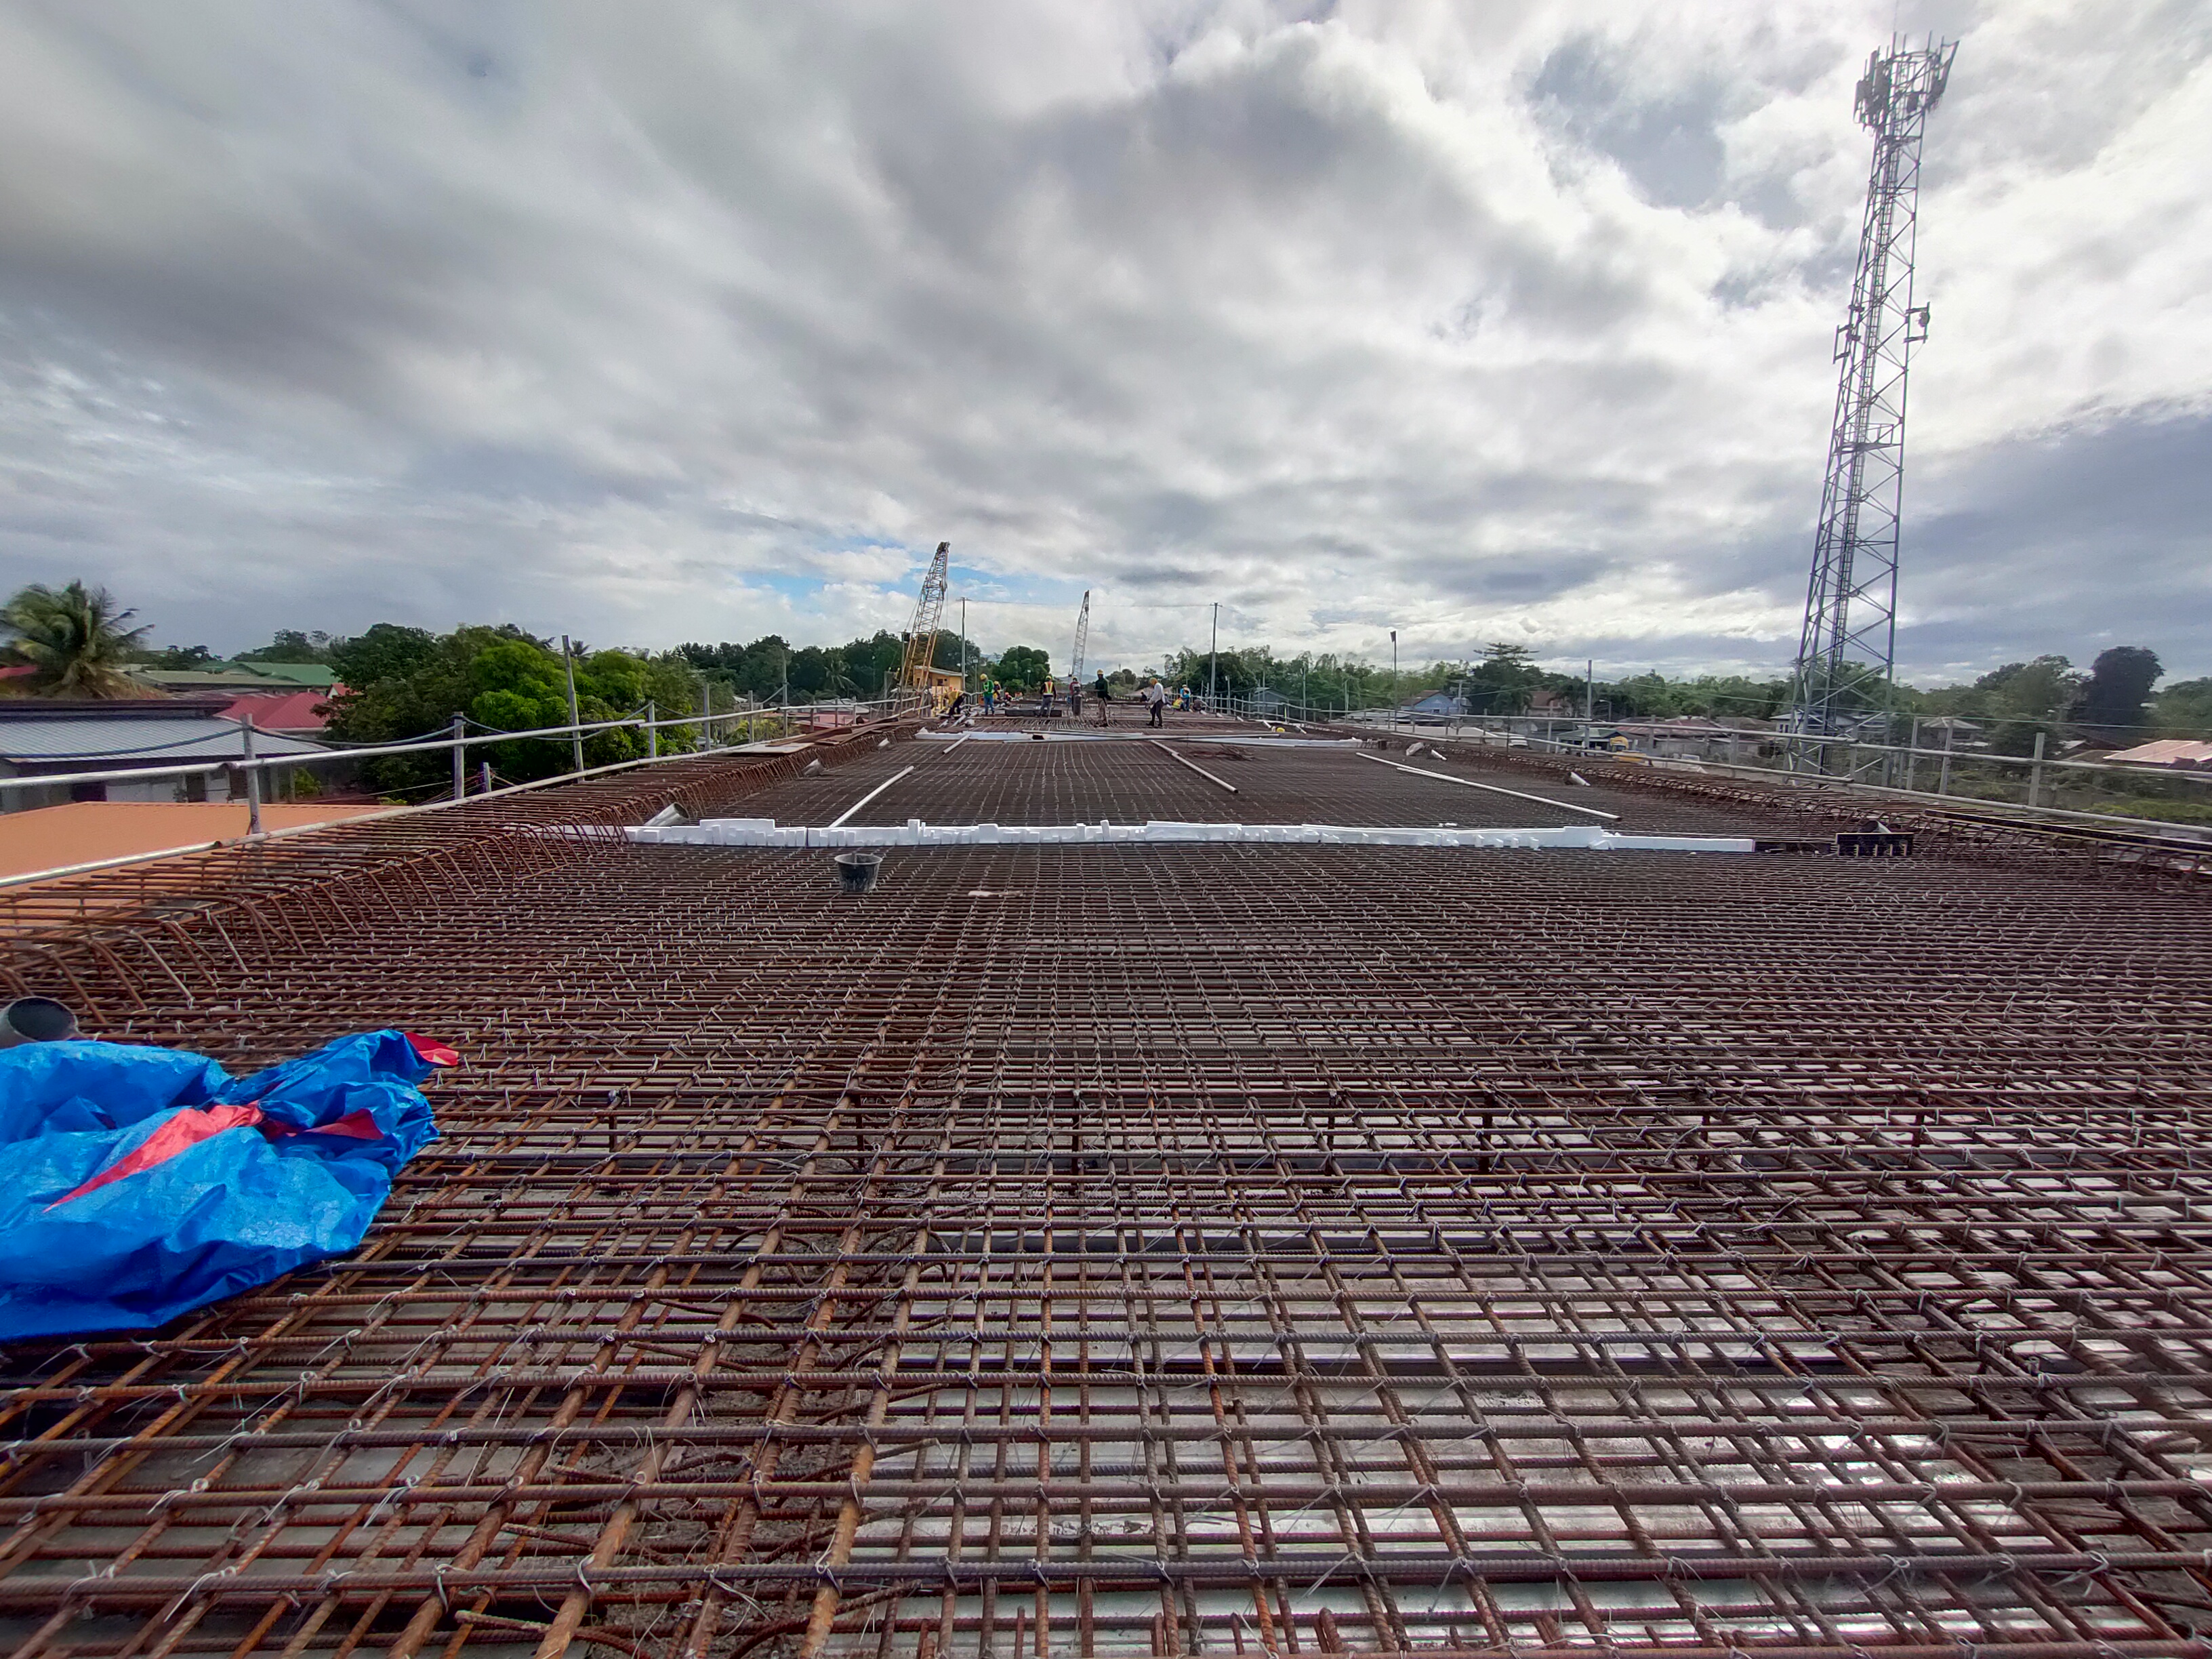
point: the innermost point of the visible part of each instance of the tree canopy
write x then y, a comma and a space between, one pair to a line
863, 668
290, 644
74, 640
1022, 668
403, 682
2117, 694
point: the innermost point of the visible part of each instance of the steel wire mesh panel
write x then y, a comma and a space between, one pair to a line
1130, 1250
996, 782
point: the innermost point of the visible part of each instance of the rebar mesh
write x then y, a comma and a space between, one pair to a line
1134, 1250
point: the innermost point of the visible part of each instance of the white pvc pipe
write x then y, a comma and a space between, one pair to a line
1542, 800
870, 796
1180, 761
767, 832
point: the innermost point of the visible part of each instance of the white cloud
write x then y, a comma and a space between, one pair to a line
1479, 320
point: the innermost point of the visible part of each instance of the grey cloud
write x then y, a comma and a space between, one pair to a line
1670, 146
309, 319
2097, 536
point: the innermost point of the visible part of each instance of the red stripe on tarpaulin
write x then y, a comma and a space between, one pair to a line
354, 1126
433, 1052
180, 1133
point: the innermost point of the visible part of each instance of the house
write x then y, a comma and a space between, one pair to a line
1270, 704
274, 678
60, 738
1433, 710
1688, 737
291, 714
2178, 752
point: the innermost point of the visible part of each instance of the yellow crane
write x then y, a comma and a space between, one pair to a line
920, 679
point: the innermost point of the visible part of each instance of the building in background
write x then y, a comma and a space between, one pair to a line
59, 740
273, 678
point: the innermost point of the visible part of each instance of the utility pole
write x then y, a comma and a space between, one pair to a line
1214, 670
576, 720
1395, 697
1589, 699
1847, 653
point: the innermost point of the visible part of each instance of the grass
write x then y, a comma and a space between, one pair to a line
2165, 811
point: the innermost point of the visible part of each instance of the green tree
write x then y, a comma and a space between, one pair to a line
2183, 710
2117, 695
502, 679
180, 656
75, 640
290, 644
1504, 681
1022, 667
387, 651
2023, 698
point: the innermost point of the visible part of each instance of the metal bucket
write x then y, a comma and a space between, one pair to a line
35, 1019
857, 871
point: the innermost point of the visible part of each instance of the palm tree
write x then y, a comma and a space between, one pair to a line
74, 638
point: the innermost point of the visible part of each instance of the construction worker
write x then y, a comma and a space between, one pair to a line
1156, 699
1045, 707
1101, 689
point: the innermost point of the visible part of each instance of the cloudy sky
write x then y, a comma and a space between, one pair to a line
1500, 319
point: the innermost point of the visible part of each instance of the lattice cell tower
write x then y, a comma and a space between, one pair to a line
1847, 655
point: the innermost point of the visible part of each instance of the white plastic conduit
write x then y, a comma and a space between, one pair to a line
865, 799
1194, 766
1542, 800
1139, 735
767, 832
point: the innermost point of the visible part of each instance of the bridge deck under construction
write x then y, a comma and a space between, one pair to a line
1223, 1249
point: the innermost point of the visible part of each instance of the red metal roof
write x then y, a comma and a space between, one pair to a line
283, 711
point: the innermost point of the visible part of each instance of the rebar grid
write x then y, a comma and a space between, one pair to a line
115, 926
1163, 1250
1045, 782
1986, 831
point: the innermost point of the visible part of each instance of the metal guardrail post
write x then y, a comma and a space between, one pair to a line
2035, 775
575, 719
461, 757
652, 732
252, 778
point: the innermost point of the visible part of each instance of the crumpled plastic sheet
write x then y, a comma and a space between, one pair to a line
137, 1183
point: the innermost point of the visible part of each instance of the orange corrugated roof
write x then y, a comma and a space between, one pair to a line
85, 831
2167, 751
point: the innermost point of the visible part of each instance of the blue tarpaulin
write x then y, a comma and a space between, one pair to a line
138, 1183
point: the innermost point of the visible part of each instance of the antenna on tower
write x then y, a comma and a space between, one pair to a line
1847, 654
1082, 642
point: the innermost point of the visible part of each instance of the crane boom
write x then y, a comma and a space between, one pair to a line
921, 633
1082, 641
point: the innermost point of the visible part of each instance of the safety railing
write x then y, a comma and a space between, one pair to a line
250, 767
